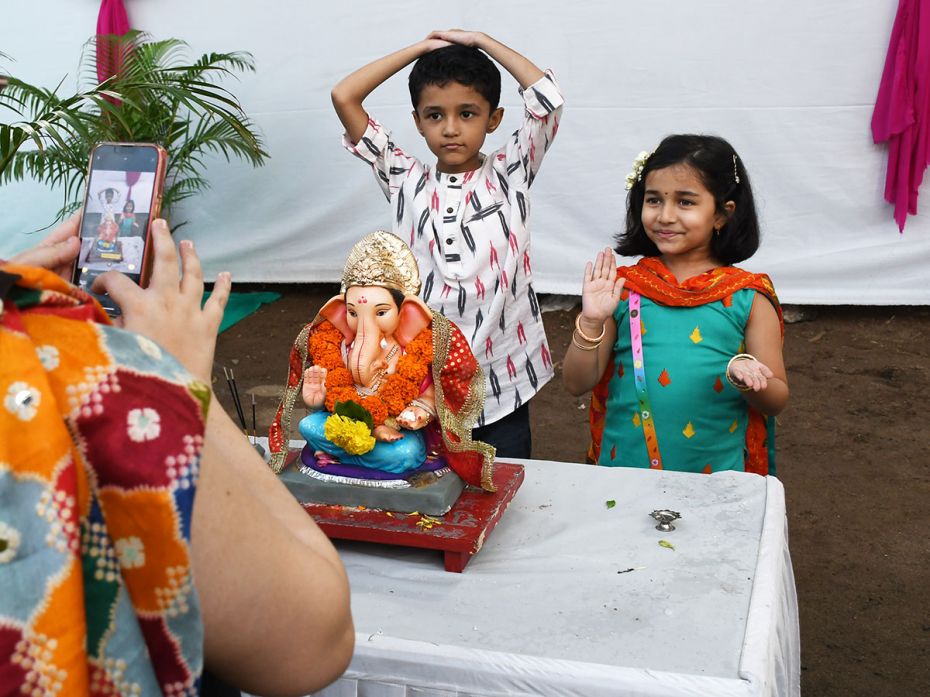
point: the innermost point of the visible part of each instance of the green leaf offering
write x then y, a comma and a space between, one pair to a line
355, 411
610, 503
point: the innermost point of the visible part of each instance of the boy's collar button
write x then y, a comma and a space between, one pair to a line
449, 240
450, 209
453, 179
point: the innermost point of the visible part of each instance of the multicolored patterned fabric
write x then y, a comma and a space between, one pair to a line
459, 387
102, 433
470, 234
689, 332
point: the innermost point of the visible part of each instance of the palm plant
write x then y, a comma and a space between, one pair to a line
155, 96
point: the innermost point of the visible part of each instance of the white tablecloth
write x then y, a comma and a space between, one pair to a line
542, 609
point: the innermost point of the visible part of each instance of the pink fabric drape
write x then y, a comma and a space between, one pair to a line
131, 179
902, 109
112, 19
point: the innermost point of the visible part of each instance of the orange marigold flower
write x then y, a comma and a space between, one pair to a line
339, 377
398, 389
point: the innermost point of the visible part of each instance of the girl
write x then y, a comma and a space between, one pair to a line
127, 219
683, 350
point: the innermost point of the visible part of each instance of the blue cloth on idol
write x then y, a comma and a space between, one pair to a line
402, 455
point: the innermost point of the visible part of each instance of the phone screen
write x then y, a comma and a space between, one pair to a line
121, 191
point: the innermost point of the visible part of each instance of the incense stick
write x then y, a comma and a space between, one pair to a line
254, 433
231, 381
232, 377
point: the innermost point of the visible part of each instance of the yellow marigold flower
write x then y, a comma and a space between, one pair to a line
352, 436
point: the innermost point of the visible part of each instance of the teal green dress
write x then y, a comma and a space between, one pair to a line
700, 419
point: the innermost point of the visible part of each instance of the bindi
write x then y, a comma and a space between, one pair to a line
362, 299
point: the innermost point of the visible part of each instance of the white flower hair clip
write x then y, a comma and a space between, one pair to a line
637, 173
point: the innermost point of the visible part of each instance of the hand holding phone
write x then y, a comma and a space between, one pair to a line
125, 183
169, 311
57, 252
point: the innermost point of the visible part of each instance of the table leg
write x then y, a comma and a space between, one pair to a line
456, 561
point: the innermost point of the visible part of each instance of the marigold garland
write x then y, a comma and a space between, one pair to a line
398, 389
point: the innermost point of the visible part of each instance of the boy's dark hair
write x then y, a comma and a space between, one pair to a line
712, 158
456, 63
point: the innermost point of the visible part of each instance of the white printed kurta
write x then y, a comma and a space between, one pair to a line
470, 235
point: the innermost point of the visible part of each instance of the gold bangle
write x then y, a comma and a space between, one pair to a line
739, 357
584, 336
584, 348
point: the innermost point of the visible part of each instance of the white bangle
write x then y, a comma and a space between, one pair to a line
739, 357
423, 405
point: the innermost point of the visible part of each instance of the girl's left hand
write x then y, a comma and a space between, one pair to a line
750, 373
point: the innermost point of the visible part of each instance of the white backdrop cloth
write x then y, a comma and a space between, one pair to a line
542, 609
791, 84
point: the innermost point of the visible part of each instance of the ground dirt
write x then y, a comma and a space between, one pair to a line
853, 454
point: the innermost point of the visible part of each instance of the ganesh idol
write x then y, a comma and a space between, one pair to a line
392, 387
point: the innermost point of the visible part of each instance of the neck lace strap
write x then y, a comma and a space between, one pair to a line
639, 373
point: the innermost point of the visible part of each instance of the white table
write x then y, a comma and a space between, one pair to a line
542, 609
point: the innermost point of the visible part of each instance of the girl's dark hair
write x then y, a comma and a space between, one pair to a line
712, 159
456, 63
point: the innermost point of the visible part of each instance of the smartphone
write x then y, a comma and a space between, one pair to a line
125, 182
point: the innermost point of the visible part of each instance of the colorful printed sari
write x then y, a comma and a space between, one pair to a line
102, 433
652, 280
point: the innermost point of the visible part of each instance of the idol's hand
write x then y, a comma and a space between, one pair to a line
169, 310
600, 293
413, 418
314, 389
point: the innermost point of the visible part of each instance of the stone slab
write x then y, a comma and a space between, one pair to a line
429, 495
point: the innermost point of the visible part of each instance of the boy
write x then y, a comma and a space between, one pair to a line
466, 218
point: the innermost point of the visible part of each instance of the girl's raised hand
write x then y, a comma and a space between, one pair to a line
600, 293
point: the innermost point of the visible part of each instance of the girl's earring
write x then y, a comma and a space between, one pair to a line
383, 343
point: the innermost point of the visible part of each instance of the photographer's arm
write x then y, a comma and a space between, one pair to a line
273, 593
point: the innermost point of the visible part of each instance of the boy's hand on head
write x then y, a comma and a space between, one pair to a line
432, 42
457, 36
